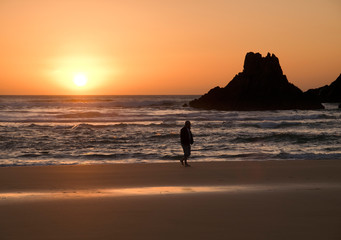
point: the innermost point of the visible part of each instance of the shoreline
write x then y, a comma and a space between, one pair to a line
169, 162
178, 162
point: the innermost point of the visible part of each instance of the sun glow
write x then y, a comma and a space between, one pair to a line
83, 74
80, 79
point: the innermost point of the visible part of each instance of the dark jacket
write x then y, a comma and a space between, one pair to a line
186, 136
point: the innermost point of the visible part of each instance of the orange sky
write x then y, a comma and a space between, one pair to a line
162, 47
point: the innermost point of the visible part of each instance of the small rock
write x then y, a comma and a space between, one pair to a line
328, 93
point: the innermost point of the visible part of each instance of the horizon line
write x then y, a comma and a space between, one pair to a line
100, 95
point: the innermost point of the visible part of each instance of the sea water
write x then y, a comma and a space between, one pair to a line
53, 130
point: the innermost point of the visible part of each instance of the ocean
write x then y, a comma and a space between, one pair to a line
55, 130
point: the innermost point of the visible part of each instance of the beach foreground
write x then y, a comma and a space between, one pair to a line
216, 200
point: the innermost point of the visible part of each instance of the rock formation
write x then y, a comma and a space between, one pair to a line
331, 93
261, 86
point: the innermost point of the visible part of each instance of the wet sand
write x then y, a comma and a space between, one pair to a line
218, 200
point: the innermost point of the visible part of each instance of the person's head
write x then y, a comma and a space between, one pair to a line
188, 124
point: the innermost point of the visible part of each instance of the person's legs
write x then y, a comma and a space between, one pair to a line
182, 161
187, 153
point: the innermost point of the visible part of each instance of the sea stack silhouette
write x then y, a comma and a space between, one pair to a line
328, 94
261, 86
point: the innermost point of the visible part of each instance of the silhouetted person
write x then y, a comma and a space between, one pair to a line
186, 142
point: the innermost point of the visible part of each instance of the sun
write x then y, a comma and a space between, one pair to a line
80, 79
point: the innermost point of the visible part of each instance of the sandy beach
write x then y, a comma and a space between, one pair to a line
215, 200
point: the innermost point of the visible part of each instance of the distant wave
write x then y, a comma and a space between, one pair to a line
29, 102
147, 103
271, 124
298, 138
165, 135
86, 115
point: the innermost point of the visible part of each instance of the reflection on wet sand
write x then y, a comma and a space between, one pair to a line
163, 190
111, 192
